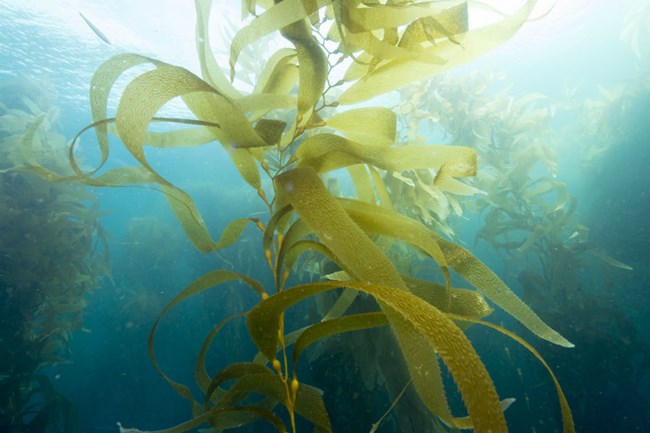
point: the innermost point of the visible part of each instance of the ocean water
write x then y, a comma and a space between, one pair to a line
571, 88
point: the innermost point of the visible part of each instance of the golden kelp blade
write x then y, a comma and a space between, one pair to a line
379, 16
210, 69
144, 96
325, 152
309, 401
375, 126
378, 220
353, 322
207, 385
487, 282
400, 71
567, 417
377, 275
100, 87
202, 284
312, 62
319, 210
428, 381
148, 92
275, 18
405, 312
141, 100
186, 137
180, 202
461, 302
210, 280
362, 183
432, 25
253, 378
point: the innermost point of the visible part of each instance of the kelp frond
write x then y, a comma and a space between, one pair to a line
284, 127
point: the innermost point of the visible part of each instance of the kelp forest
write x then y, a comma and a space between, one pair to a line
398, 243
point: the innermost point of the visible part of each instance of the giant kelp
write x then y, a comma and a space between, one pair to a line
381, 46
50, 260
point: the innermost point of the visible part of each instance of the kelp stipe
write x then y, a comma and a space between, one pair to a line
381, 47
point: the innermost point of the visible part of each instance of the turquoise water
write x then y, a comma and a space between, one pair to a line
575, 56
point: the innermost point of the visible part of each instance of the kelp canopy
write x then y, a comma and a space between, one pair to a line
290, 129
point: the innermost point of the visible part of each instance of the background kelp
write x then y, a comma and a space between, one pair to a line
636, 31
607, 300
528, 212
295, 137
147, 259
615, 122
530, 219
50, 259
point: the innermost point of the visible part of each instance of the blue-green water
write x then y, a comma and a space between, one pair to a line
606, 377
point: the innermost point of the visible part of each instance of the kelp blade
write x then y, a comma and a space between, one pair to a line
405, 310
398, 72
488, 283
368, 264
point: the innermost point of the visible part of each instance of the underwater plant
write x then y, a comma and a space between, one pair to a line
50, 260
283, 136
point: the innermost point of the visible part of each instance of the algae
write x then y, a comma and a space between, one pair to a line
291, 136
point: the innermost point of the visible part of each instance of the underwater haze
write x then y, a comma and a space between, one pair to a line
217, 220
